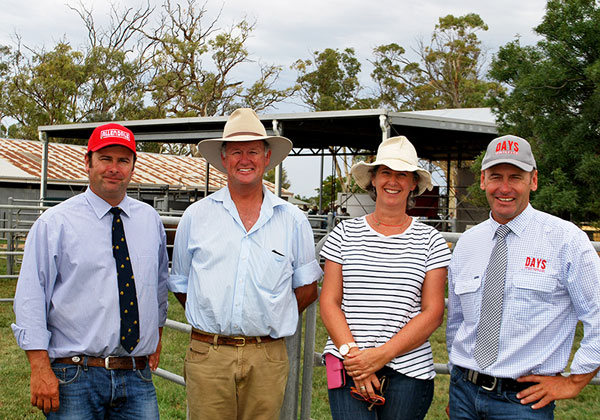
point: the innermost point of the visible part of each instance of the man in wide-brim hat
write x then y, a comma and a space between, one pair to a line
244, 268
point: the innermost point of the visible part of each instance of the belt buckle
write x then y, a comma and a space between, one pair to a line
243, 341
107, 363
491, 388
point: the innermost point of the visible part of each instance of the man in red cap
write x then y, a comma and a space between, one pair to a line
91, 298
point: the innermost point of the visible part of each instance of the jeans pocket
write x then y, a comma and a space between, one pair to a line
66, 374
511, 397
144, 374
455, 375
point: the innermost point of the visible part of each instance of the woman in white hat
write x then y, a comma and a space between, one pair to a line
383, 295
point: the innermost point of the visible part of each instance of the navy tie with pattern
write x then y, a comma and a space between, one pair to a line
130, 320
488, 331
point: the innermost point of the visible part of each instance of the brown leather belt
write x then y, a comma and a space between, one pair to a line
226, 340
110, 362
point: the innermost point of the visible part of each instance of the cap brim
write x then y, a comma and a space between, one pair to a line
521, 165
280, 147
109, 143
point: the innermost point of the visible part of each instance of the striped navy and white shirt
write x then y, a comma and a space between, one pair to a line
552, 281
382, 281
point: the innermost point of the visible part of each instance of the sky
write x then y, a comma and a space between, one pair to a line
287, 30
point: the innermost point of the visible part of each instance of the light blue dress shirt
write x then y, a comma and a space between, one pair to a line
239, 282
67, 298
552, 281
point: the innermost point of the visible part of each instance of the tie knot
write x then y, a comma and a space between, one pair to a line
115, 210
502, 231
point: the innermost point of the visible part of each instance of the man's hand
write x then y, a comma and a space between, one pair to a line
154, 358
551, 388
44, 384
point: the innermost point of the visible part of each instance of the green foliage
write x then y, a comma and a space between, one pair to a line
270, 176
329, 81
305, 199
553, 101
133, 70
44, 89
193, 64
330, 191
447, 74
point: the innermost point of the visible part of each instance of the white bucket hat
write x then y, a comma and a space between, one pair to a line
398, 154
244, 125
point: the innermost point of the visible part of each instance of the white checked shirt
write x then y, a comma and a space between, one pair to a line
552, 281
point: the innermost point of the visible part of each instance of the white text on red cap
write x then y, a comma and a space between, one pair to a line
115, 132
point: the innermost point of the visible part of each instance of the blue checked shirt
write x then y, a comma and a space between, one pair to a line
238, 282
552, 281
67, 299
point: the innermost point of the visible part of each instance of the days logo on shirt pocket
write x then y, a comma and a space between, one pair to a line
535, 264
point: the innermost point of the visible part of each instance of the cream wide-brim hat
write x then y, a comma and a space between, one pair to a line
244, 125
398, 154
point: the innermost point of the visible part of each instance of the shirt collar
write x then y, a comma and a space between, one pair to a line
270, 201
101, 207
516, 225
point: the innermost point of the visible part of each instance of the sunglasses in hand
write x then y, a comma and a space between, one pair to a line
378, 399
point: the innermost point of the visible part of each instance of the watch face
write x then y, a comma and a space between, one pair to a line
344, 349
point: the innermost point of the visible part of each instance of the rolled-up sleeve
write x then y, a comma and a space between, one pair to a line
306, 267
583, 284
182, 258
36, 280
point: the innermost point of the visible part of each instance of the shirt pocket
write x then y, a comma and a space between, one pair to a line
533, 297
145, 269
535, 290
470, 296
276, 269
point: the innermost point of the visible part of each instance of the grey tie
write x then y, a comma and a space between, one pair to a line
488, 331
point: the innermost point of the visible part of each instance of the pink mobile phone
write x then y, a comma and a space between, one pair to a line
336, 375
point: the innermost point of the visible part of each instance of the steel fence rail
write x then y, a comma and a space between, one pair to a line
322, 225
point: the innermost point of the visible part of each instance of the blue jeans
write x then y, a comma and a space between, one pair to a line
405, 398
90, 393
471, 402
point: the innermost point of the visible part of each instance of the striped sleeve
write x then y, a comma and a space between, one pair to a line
332, 247
438, 251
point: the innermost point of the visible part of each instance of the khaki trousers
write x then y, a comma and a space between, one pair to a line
229, 382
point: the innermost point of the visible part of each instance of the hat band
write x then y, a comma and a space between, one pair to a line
244, 133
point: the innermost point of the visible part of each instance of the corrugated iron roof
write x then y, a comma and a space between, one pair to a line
66, 166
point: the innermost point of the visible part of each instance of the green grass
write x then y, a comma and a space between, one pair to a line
14, 375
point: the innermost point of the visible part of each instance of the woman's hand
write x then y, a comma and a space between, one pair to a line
368, 386
361, 364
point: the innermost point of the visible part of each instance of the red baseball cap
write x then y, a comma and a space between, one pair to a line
111, 135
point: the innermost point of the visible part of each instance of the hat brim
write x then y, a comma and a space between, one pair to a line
362, 176
280, 147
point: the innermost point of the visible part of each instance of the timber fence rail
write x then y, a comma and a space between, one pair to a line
17, 218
